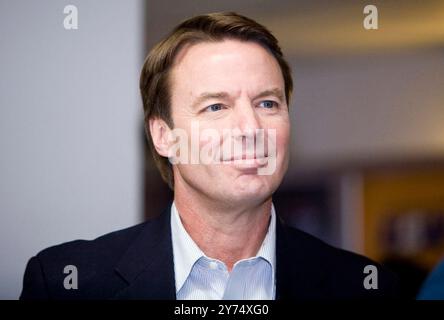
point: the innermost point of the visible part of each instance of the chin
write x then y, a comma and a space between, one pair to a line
251, 189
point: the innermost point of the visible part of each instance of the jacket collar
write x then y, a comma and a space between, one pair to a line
147, 266
299, 273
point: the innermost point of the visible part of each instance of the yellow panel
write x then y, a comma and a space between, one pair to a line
389, 193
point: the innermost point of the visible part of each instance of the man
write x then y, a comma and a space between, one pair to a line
216, 96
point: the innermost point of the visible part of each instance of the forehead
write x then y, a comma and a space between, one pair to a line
228, 65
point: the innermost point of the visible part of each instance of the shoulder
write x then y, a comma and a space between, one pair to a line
107, 245
316, 249
344, 274
433, 286
94, 260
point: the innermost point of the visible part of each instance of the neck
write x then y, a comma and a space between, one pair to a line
223, 232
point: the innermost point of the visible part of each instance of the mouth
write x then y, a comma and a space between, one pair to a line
247, 162
245, 157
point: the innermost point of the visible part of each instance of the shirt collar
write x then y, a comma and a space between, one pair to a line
186, 252
268, 247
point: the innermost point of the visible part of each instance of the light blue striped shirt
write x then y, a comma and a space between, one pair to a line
199, 277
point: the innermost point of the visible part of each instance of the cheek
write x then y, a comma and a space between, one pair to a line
283, 148
282, 131
283, 137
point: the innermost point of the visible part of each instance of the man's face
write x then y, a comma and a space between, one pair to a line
233, 88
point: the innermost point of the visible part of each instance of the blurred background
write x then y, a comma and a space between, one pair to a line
367, 167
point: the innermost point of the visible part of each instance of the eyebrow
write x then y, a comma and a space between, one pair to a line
224, 95
209, 95
271, 92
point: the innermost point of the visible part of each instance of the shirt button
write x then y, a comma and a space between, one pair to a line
213, 265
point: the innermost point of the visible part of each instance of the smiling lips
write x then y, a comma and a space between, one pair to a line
252, 161
245, 156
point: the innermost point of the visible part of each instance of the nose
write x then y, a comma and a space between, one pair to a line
246, 120
245, 125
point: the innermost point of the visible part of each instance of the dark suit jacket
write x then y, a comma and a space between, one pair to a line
137, 263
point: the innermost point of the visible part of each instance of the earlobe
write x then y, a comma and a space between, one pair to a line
159, 134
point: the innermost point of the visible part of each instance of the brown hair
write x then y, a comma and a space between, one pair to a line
212, 27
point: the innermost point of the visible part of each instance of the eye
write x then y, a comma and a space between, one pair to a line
268, 104
214, 107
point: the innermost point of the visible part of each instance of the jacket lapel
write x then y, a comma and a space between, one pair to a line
148, 265
299, 276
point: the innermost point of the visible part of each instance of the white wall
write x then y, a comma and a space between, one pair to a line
70, 117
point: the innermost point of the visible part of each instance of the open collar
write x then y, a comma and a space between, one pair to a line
147, 266
187, 252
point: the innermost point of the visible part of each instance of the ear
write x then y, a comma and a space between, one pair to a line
159, 131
